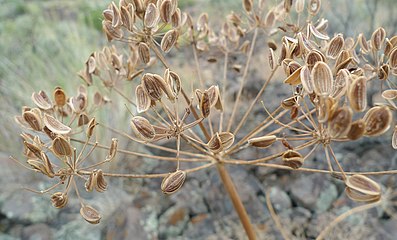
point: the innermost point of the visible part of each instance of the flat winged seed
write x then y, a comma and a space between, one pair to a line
59, 97
152, 16
173, 182
152, 87
227, 139
363, 43
166, 88
317, 34
33, 149
166, 11
272, 59
41, 102
47, 165
83, 119
144, 52
55, 125
214, 95
169, 40
377, 38
142, 99
383, 72
357, 94
294, 79
322, 79
247, 5
59, 199
314, 7
326, 105
377, 120
363, 189
262, 142
341, 82
393, 58
112, 150
394, 138
299, 6
101, 184
389, 94
90, 128
306, 80
33, 119
116, 20
313, 57
292, 159
90, 214
215, 144
37, 165
357, 130
335, 46
143, 128
205, 104
340, 122
61, 147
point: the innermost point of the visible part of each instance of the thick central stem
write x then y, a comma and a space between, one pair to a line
238, 205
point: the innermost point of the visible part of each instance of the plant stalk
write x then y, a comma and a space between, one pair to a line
238, 205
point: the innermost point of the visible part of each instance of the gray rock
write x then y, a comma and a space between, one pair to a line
173, 222
7, 237
326, 198
280, 199
37, 232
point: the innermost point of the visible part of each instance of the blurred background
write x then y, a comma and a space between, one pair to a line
44, 43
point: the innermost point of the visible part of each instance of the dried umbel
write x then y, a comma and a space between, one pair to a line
59, 199
362, 189
90, 214
173, 182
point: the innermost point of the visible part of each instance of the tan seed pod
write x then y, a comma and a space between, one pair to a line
227, 139
357, 130
78, 103
112, 150
314, 7
33, 149
59, 199
377, 120
83, 119
272, 59
383, 72
335, 46
174, 81
47, 165
316, 33
37, 166
215, 144
178, 19
40, 101
214, 96
363, 43
377, 38
306, 80
294, 79
116, 20
394, 138
169, 40
173, 182
340, 122
143, 128
313, 57
143, 101
55, 125
292, 159
90, 214
326, 106
166, 88
91, 126
61, 147
49, 133
152, 16
389, 94
362, 189
270, 19
33, 119
341, 83
289, 102
247, 5
262, 142
304, 43
152, 87
322, 79
357, 94
166, 11
144, 52
97, 181
390, 44
393, 58
59, 97
111, 33
205, 104
299, 6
